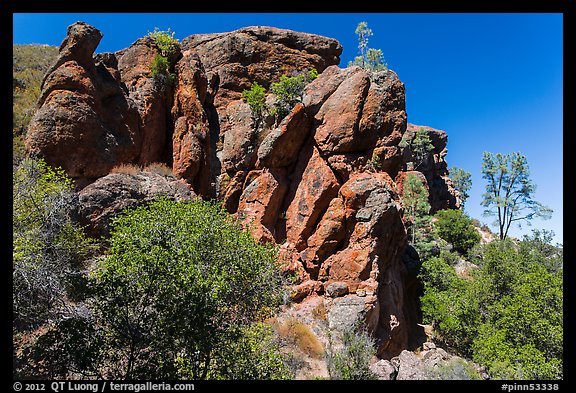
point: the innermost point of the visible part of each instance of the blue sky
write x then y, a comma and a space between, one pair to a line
493, 82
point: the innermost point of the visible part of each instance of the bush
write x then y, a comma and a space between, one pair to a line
352, 361
507, 317
181, 282
457, 229
160, 67
289, 90
255, 355
165, 41
256, 98
48, 247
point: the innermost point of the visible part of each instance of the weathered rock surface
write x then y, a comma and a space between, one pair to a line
325, 181
109, 195
434, 168
85, 121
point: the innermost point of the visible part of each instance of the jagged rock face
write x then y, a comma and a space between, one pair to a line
324, 182
434, 168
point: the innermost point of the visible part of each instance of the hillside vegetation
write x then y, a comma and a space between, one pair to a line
29, 64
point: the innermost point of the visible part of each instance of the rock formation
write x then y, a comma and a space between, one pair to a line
324, 181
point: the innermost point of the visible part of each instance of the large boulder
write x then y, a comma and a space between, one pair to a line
108, 196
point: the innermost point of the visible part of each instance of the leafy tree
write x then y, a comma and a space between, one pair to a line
182, 283
538, 248
48, 247
416, 206
456, 228
369, 59
462, 181
446, 304
509, 191
289, 90
421, 146
256, 99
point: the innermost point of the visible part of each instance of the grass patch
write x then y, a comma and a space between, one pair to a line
299, 334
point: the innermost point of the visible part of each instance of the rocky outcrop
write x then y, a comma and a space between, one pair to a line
433, 167
85, 121
325, 181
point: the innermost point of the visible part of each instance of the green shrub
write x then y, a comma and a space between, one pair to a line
352, 361
159, 67
181, 282
165, 41
507, 317
256, 98
456, 228
289, 89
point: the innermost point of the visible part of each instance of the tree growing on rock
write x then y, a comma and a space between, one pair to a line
509, 191
369, 59
462, 181
416, 207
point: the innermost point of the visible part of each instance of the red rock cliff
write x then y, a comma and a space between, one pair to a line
321, 182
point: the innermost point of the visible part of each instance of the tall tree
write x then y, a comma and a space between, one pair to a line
462, 183
509, 191
369, 59
416, 205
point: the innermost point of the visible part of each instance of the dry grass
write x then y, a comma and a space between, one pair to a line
300, 334
129, 169
159, 168
320, 312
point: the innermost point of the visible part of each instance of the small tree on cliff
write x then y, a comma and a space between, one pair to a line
462, 181
369, 59
509, 191
416, 207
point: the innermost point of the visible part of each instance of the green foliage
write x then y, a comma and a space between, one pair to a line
447, 304
47, 246
256, 99
457, 229
254, 356
421, 146
165, 41
168, 46
181, 283
29, 64
369, 59
509, 191
462, 181
508, 316
416, 208
456, 369
289, 89
159, 66
352, 361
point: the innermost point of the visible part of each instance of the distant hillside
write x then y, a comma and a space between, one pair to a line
29, 64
